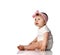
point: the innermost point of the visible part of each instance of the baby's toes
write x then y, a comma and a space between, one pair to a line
20, 47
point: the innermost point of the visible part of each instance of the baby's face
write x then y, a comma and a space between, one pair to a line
39, 21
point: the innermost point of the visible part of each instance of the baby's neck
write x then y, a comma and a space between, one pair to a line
41, 26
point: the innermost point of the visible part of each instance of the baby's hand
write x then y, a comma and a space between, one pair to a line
42, 48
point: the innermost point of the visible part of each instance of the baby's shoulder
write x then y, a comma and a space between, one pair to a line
45, 29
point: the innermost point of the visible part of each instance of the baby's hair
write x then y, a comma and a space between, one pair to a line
44, 14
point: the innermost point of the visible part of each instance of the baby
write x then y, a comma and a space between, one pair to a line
44, 39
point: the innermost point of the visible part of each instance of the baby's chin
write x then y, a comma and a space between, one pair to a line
37, 25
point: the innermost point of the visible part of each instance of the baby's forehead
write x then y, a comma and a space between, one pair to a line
36, 17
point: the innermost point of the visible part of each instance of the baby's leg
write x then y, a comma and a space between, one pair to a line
32, 46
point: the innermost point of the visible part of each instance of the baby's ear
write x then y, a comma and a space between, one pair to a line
45, 23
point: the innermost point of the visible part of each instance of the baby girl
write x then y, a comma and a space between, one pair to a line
44, 39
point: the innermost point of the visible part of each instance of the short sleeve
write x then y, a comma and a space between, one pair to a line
45, 29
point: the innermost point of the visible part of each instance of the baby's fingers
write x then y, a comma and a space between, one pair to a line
42, 49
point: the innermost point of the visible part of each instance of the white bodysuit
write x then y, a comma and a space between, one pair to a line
40, 37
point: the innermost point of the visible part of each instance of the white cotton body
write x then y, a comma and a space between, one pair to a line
40, 36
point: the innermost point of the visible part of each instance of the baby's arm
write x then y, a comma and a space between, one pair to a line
35, 40
44, 43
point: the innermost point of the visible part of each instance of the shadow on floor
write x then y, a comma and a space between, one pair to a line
34, 53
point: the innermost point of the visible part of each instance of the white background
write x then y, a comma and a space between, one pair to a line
17, 25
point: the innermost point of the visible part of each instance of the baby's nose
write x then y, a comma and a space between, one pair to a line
36, 20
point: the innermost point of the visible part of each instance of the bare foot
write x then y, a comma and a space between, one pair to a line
21, 47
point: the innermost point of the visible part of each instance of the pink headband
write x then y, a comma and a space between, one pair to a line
45, 17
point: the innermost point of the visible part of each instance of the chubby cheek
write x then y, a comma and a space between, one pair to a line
41, 22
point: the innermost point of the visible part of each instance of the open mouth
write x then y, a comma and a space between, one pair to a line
36, 23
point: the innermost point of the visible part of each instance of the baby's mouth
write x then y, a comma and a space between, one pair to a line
36, 23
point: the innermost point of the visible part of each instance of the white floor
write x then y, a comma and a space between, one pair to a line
34, 53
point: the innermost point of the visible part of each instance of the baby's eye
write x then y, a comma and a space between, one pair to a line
35, 19
38, 18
